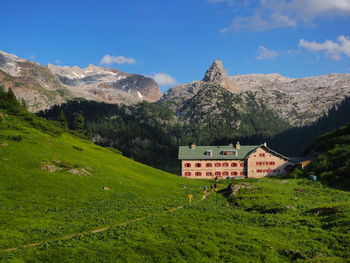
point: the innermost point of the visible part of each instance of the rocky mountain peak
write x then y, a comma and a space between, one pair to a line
216, 73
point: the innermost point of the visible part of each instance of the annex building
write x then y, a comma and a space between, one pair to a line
239, 161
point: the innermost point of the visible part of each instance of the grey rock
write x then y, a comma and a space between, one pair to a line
298, 101
44, 86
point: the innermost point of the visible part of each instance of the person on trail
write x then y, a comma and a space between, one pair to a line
205, 189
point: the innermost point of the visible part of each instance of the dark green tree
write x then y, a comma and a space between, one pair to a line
78, 122
11, 97
63, 120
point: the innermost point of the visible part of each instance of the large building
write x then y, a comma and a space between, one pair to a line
205, 162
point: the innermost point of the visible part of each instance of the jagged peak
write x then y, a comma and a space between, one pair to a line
216, 72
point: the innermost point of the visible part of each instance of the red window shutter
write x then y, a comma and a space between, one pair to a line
233, 165
241, 164
187, 173
225, 164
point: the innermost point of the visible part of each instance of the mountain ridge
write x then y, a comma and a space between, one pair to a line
300, 101
64, 83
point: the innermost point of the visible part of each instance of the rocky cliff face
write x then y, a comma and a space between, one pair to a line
44, 86
298, 101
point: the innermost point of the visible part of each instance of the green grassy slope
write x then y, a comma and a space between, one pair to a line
37, 204
273, 220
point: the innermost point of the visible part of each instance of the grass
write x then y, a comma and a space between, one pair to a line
274, 220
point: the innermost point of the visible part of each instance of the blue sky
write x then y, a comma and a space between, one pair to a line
176, 41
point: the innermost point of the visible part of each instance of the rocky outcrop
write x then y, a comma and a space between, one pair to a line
44, 86
298, 101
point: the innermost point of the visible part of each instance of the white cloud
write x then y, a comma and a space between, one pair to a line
333, 49
164, 79
264, 53
271, 14
108, 60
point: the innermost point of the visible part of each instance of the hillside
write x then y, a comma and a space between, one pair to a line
54, 208
332, 162
146, 132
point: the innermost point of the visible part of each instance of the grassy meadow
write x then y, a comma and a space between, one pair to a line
51, 186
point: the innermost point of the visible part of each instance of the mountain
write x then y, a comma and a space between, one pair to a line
44, 86
293, 141
297, 101
215, 113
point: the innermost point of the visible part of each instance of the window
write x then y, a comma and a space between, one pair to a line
208, 153
225, 165
209, 174
198, 165
269, 171
217, 164
217, 173
225, 173
208, 165
233, 173
265, 163
198, 174
229, 153
188, 174
258, 163
187, 165
261, 154
272, 163
241, 164
233, 164
241, 173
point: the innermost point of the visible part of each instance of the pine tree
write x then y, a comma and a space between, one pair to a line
78, 123
11, 97
62, 119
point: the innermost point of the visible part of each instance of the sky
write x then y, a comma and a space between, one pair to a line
176, 41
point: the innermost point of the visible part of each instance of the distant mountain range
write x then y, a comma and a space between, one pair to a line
41, 87
295, 101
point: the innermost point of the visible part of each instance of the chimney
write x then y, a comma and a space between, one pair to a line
265, 144
193, 146
231, 145
238, 146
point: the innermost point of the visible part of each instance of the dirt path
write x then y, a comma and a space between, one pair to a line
98, 230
